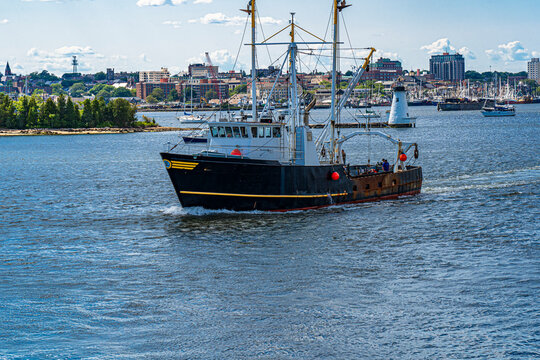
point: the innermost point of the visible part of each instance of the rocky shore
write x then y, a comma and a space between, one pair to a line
85, 131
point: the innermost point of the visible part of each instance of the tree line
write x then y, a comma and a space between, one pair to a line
32, 112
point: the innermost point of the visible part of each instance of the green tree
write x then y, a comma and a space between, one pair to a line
32, 119
23, 107
326, 84
151, 99
43, 77
186, 94
73, 116
122, 113
60, 119
159, 94
7, 112
47, 114
211, 94
77, 89
87, 117
240, 89
173, 95
104, 94
100, 76
121, 92
57, 89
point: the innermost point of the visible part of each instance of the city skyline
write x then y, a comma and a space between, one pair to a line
133, 35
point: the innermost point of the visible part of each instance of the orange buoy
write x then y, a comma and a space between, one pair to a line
236, 152
335, 176
403, 157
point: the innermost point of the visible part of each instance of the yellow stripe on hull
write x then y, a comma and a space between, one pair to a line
181, 165
261, 196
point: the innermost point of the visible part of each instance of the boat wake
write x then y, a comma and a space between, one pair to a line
200, 211
485, 181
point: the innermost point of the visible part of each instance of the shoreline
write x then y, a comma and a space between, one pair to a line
83, 131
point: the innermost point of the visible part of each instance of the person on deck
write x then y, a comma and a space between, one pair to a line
385, 165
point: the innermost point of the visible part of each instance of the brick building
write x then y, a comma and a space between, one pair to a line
383, 70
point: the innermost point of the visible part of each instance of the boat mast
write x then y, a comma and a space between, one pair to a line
253, 65
295, 108
335, 112
334, 81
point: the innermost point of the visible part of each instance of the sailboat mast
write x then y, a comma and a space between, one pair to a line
253, 64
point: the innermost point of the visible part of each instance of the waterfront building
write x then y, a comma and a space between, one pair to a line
202, 70
447, 67
533, 69
154, 76
145, 88
269, 71
110, 74
384, 69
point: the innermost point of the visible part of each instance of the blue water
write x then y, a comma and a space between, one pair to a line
98, 259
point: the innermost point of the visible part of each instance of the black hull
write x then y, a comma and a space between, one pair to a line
464, 106
244, 184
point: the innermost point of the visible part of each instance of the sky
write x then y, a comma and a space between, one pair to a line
135, 35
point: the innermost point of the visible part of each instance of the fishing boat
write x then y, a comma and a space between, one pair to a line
276, 163
499, 110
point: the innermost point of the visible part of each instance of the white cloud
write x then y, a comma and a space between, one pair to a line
465, 51
202, 1
444, 45
510, 52
4, 21
142, 3
222, 58
59, 60
144, 58
174, 23
222, 19
76, 50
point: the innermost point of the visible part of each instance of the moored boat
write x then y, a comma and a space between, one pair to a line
499, 110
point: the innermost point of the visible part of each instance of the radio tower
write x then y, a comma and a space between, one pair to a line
75, 63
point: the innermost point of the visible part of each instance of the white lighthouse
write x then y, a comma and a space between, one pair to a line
399, 113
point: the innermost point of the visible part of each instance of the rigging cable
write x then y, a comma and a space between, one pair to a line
349, 38
264, 37
241, 43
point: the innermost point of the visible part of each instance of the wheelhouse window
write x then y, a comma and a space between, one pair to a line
276, 132
254, 132
236, 131
261, 131
221, 131
228, 131
243, 130
214, 131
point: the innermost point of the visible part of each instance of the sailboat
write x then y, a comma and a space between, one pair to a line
273, 163
188, 117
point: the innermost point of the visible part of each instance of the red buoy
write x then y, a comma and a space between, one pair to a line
335, 176
236, 152
403, 157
